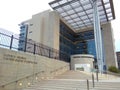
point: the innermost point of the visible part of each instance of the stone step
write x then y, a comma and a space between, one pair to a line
72, 80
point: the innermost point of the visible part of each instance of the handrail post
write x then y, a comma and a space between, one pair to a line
49, 53
11, 42
25, 45
87, 84
97, 75
93, 80
34, 48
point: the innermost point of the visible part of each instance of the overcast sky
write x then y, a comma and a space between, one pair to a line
13, 12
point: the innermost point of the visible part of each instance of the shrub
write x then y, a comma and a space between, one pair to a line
113, 69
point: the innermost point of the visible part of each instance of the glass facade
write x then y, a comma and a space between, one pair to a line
22, 36
76, 43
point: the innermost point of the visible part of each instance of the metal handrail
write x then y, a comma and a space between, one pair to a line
35, 48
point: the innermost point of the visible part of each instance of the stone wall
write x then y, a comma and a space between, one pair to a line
20, 69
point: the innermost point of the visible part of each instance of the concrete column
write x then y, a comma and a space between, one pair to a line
110, 55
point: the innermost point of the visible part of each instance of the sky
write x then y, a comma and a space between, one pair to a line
13, 12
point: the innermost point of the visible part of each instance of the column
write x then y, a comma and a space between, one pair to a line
98, 38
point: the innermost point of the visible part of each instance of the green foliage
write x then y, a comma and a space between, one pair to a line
113, 69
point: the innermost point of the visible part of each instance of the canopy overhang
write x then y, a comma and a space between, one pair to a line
79, 13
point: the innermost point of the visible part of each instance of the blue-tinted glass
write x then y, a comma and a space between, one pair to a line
91, 47
76, 43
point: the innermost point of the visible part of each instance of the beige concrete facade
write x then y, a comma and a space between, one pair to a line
20, 69
109, 48
44, 28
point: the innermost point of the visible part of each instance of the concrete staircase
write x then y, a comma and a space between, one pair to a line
75, 80
57, 84
107, 86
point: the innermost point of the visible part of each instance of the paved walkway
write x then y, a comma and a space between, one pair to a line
79, 75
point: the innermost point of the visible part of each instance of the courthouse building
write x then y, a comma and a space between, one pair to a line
69, 28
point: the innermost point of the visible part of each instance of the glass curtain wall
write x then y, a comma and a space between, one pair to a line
76, 43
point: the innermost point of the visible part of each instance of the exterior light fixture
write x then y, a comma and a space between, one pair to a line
29, 84
20, 84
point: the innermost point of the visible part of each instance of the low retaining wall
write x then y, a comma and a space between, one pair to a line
21, 69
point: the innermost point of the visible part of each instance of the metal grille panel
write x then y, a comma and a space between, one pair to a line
79, 13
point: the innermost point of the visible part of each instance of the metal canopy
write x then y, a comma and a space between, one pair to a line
79, 13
